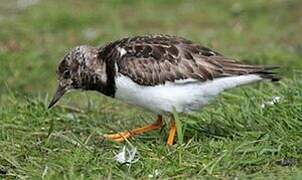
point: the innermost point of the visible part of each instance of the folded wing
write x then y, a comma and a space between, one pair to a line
153, 60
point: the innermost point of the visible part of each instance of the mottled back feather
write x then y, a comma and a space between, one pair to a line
157, 59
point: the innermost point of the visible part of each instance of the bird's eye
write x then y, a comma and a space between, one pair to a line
66, 74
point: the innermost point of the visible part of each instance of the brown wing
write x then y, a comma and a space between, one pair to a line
153, 60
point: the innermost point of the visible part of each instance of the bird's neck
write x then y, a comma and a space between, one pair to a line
94, 82
105, 85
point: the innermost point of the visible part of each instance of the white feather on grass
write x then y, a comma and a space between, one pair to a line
127, 156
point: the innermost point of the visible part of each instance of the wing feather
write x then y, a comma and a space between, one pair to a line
153, 60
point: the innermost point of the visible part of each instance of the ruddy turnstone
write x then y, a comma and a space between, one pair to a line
156, 72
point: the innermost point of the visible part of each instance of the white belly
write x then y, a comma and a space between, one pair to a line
185, 95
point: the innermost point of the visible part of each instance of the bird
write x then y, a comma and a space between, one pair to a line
160, 73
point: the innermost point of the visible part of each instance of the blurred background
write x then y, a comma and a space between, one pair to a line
35, 34
236, 137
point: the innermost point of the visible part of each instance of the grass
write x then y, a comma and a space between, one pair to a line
234, 137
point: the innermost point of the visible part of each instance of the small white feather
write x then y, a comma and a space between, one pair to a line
127, 156
122, 51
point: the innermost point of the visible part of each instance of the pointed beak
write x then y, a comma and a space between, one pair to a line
61, 90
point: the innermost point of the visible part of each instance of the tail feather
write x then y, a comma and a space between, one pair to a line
231, 67
267, 72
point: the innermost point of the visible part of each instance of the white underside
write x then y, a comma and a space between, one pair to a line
184, 95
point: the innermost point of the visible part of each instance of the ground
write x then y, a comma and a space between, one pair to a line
248, 132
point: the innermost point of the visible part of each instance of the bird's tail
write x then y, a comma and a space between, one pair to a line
232, 67
267, 72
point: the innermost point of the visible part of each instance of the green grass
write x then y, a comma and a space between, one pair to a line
233, 137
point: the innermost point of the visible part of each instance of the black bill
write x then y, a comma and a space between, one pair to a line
59, 93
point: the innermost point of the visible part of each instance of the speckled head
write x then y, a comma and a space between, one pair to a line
73, 70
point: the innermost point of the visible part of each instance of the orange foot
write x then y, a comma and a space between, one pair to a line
122, 136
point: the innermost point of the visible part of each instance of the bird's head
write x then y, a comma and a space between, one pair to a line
75, 70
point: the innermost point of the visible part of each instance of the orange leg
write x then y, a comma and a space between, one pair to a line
122, 136
172, 132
